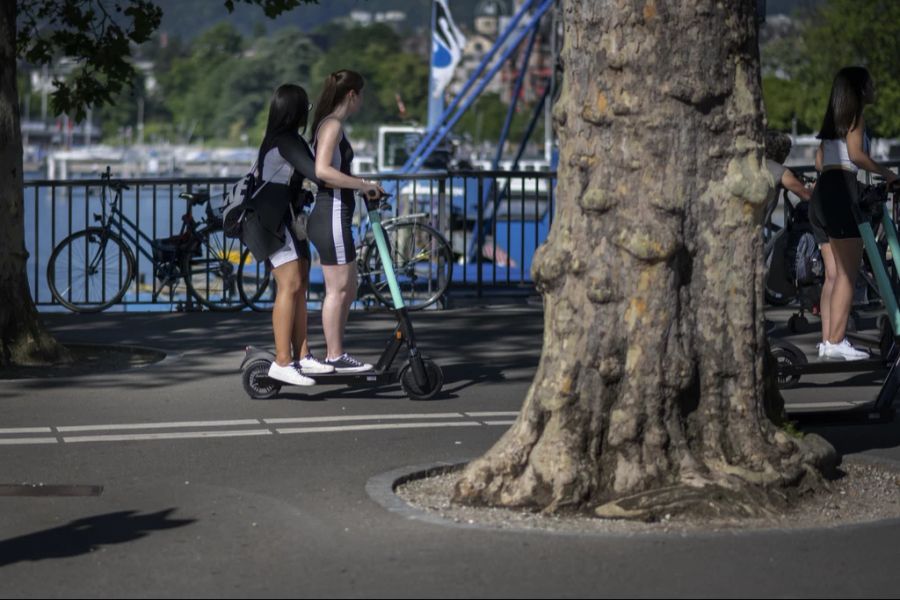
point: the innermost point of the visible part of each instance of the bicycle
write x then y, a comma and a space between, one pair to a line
92, 269
422, 258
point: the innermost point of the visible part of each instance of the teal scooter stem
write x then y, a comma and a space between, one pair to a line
373, 206
384, 252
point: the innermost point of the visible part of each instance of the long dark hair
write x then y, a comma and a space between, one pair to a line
288, 113
337, 86
851, 91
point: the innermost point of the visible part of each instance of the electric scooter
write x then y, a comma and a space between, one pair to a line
870, 213
420, 377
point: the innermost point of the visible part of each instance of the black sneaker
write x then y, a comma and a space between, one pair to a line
347, 364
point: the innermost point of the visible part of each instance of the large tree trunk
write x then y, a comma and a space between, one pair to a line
23, 339
650, 395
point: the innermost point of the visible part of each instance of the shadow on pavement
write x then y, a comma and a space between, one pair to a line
85, 535
851, 438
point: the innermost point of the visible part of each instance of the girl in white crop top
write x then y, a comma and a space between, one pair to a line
844, 150
835, 153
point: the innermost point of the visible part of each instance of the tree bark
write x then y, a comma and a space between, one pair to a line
651, 393
23, 339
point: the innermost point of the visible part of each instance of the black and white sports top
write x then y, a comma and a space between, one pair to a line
341, 159
289, 156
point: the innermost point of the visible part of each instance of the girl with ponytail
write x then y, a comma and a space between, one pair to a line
330, 221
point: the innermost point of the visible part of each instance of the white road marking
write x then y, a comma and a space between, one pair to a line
362, 418
29, 440
374, 426
120, 432
165, 436
15, 430
174, 425
491, 414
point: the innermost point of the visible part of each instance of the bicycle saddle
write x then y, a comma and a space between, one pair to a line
195, 198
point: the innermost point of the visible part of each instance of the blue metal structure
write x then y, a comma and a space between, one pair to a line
464, 99
525, 23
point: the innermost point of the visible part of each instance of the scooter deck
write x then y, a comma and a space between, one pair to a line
371, 377
824, 367
839, 412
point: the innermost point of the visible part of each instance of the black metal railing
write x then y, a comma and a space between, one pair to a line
493, 220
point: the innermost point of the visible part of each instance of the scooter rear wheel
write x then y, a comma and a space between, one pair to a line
256, 380
416, 392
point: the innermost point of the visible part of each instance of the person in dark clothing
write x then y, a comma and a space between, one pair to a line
843, 151
285, 159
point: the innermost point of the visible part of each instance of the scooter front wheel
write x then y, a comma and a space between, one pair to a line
256, 380
787, 359
417, 392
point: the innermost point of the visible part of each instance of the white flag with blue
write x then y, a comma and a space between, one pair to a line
447, 43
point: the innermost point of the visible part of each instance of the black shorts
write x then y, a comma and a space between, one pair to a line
330, 227
835, 194
818, 228
294, 251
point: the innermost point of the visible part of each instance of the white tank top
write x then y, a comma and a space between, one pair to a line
835, 153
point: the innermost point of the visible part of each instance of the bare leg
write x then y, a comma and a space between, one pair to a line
300, 343
340, 291
847, 254
827, 289
287, 277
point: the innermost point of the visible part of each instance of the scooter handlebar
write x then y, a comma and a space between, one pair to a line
376, 200
375, 195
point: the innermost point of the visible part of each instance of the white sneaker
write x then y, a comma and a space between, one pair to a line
820, 347
312, 365
844, 351
289, 374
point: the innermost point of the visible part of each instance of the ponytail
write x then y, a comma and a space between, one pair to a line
336, 87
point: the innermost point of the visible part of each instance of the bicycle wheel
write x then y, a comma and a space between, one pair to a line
90, 270
423, 263
255, 283
210, 270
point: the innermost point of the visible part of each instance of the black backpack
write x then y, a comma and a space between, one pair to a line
239, 201
802, 255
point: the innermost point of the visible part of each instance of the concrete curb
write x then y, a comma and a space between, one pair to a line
381, 489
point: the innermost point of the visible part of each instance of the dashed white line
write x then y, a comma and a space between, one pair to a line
361, 418
114, 432
491, 414
165, 436
373, 427
174, 425
15, 430
28, 440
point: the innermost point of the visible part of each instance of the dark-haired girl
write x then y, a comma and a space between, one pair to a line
843, 151
284, 161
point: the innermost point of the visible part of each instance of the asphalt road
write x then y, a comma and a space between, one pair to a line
206, 493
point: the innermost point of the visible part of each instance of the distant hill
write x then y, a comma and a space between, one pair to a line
789, 7
187, 18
